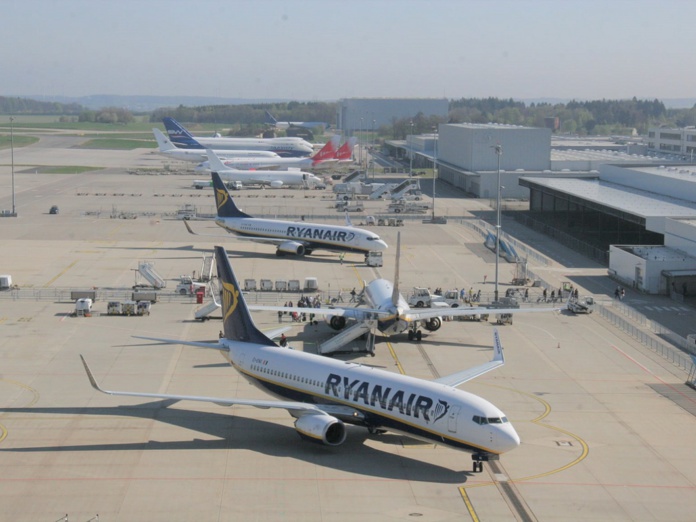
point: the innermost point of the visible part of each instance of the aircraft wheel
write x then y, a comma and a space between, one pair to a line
410, 335
419, 335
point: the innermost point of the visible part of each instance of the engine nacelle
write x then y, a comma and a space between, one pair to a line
337, 322
432, 324
292, 247
323, 429
276, 184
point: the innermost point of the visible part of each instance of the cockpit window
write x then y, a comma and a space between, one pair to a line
489, 420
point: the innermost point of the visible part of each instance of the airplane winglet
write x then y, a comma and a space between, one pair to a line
188, 227
498, 360
497, 348
91, 378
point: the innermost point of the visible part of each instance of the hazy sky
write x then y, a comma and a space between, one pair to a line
326, 49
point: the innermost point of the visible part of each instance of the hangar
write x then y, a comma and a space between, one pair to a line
641, 220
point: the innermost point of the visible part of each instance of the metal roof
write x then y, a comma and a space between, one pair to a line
619, 197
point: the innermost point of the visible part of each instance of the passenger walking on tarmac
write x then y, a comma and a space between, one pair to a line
352, 295
283, 340
526, 295
341, 256
553, 296
544, 294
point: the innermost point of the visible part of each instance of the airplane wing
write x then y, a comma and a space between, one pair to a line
458, 378
418, 314
266, 240
361, 314
297, 408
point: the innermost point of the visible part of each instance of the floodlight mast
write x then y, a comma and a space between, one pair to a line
499, 152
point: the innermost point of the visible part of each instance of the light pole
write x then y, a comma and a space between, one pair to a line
360, 151
374, 143
434, 170
14, 209
410, 153
498, 152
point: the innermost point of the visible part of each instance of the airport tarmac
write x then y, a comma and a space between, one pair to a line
606, 425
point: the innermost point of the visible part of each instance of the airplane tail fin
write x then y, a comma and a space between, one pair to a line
328, 151
236, 319
270, 119
223, 200
179, 135
215, 163
163, 142
395, 291
345, 152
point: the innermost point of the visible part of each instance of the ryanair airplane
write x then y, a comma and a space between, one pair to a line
289, 237
324, 394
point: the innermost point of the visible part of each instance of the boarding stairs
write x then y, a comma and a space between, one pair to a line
147, 270
338, 341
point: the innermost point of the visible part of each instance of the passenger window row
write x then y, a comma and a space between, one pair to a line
286, 375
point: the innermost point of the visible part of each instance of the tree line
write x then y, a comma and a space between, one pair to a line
595, 117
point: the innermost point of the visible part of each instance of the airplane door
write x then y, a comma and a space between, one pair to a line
452, 419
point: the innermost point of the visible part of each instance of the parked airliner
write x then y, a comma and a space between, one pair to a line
289, 237
313, 125
281, 146
324, 157
271, 178
388, 313
344, 154
168, 149
323, 394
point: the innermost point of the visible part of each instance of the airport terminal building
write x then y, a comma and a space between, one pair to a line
642, 218
637, 214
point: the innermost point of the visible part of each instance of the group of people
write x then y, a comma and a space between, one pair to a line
303, 302
619, 293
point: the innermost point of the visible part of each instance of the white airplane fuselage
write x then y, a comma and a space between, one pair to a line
199, 155
426, 410
378, 294
316, 236
281, 146
274, 178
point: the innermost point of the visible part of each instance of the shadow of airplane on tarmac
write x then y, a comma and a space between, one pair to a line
231, 432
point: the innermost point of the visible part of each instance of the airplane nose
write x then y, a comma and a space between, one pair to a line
382, 245
508, 439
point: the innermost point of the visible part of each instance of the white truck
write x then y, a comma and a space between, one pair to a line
83, 307
374, 258
423, 298
187, 286
407, 207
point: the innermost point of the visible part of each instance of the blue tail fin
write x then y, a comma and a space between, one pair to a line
270, 118
236, 319
223, 200
179, 135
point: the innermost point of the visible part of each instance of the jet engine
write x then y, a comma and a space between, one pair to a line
337, 322
276, 184
325, 429
432, 324
291, 247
